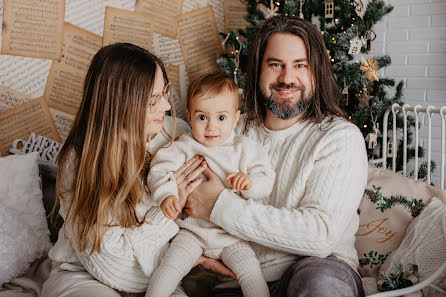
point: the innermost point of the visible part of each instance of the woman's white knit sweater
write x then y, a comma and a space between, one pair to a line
235, 154
320, 178
128, 256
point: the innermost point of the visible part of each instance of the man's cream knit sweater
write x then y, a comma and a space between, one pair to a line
128, 256
321, 173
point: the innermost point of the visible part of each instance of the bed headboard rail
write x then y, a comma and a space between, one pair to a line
416, 110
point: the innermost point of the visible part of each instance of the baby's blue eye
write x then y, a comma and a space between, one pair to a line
202, 117
221, 118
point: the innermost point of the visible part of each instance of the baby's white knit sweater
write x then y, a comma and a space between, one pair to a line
235, 154
128, 256
320, 178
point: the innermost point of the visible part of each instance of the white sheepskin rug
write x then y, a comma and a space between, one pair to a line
19, 244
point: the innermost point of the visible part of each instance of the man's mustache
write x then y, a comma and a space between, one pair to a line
291, 87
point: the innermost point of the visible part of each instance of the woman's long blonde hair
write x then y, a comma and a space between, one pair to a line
108, 140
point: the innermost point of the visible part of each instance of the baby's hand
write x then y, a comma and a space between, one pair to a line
171, 207
239, 181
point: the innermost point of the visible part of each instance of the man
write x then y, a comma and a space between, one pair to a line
305, 237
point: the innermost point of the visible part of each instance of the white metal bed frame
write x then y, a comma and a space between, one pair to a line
414, 290
417, 109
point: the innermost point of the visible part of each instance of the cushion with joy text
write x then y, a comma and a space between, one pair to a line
390, 203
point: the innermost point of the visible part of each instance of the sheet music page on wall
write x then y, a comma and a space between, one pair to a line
167, 49
234, 15
19, 122
164, 13
127, 26
199, 41
217, 7
66, 79
10, 98
63, 122
173, 73
26, 75
33, 28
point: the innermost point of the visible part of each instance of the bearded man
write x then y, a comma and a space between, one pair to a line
304, 238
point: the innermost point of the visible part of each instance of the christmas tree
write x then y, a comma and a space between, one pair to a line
347, 29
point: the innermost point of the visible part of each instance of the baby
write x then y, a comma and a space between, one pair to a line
213, 112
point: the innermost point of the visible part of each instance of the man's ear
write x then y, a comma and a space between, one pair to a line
236, 118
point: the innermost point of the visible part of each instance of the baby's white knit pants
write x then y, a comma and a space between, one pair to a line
184, 252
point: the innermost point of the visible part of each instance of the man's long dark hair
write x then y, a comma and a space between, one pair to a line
326, 95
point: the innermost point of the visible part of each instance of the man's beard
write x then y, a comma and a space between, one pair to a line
285, 110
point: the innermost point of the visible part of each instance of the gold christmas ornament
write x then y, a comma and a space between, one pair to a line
370, 68
364, 98
270, 11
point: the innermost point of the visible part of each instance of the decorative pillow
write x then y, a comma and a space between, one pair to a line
424, 245
19, 246
21, 195
390, 202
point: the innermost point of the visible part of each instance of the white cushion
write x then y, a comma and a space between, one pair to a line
24, 235
424, 245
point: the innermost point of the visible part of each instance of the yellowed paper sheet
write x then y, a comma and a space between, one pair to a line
19, 122
25, 75
190, 5
173, 73
10, 98
199, 41
235, 12
66, 79
164, 13
33, 28
127, 26
63, 122
167, 49
217, 7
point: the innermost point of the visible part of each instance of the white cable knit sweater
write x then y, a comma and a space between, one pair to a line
128, 256
320, 179
235, 154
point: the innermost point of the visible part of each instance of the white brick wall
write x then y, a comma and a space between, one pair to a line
414, 36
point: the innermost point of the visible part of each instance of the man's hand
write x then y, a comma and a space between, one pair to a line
201, 201
215, 266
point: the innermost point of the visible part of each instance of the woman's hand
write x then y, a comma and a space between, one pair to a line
200, 201
186, 177
215, 266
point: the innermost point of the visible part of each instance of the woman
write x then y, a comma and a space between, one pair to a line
113, 237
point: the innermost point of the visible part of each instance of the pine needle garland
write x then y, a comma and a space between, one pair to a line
384, 203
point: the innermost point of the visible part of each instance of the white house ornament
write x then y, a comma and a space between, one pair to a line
391, 148
270, 11
329, 9
355, 46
